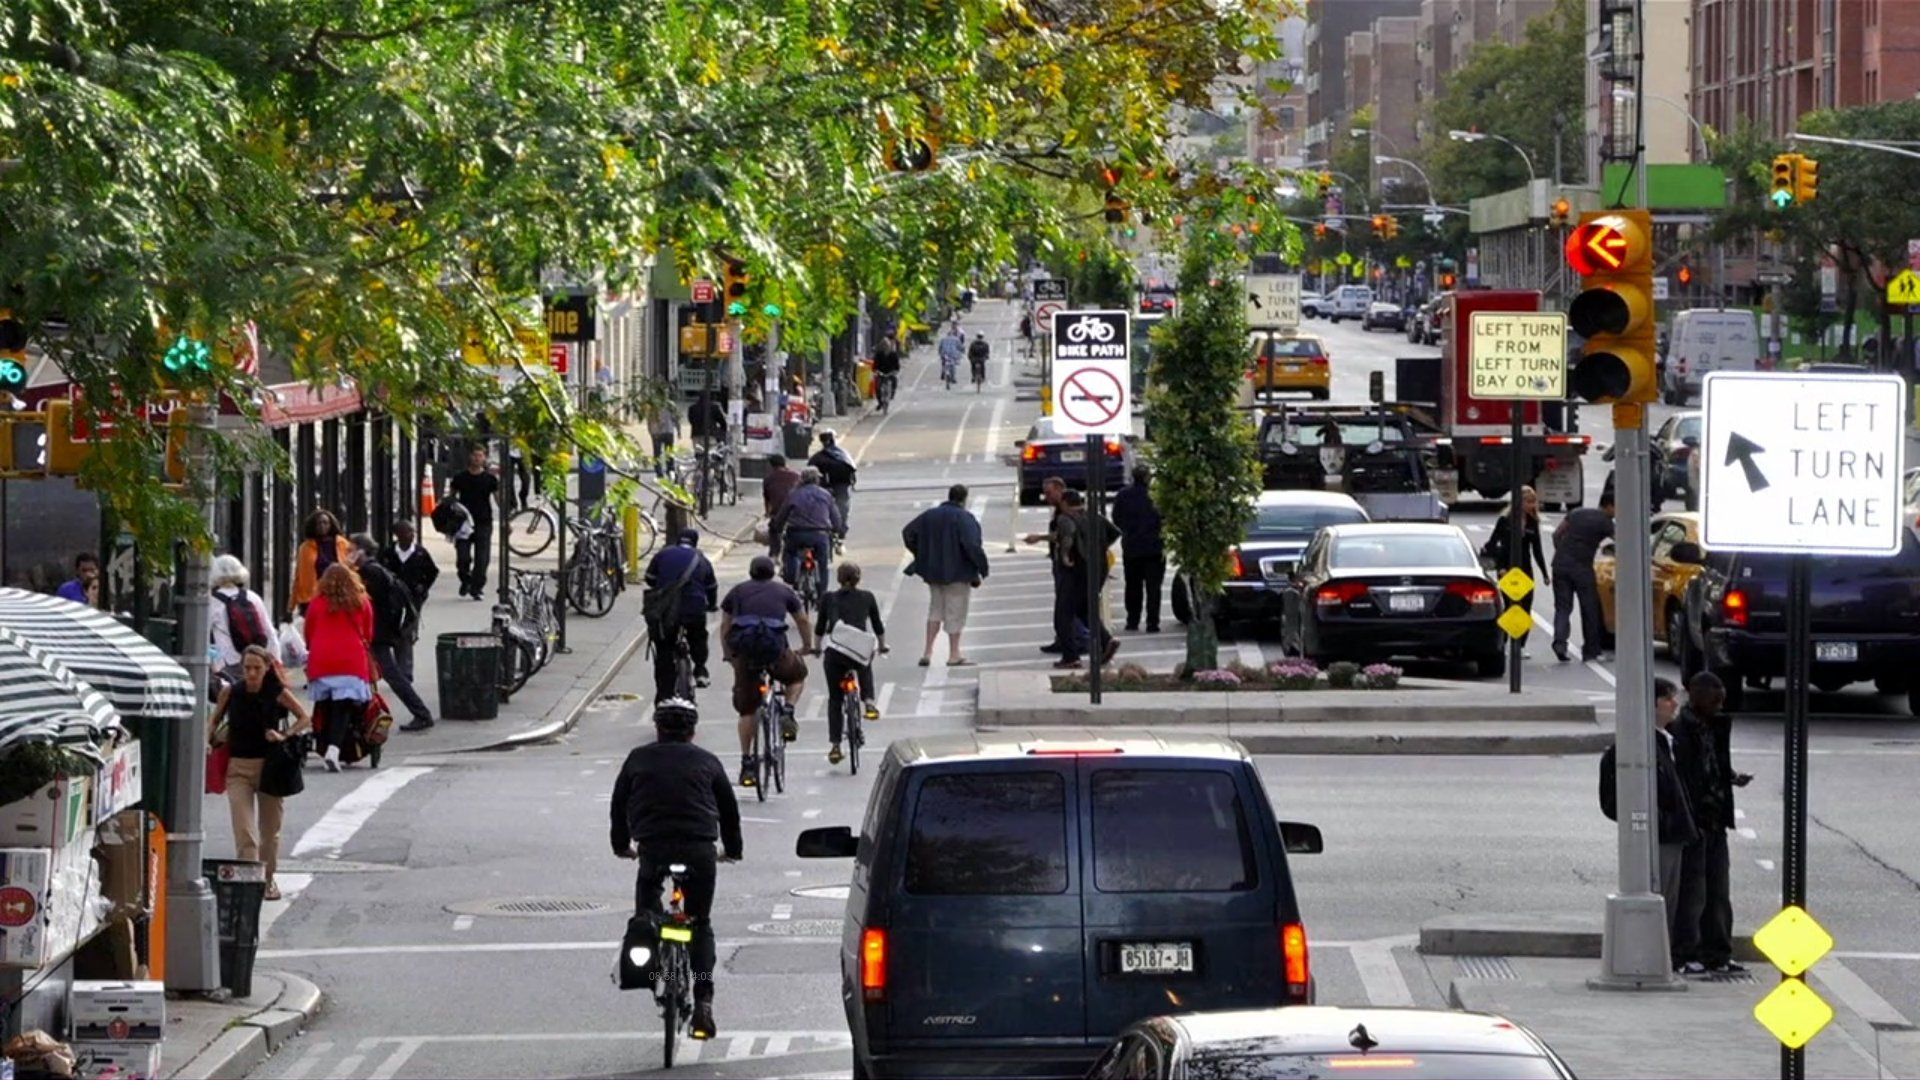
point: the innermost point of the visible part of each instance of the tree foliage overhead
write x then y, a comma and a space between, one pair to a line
1520, 92
376, 182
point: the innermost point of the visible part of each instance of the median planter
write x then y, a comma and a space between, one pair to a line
1296, 675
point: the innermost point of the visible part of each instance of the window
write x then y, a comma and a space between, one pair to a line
1369, 551
1166, 830
989, 834
1298, 521
1663, 541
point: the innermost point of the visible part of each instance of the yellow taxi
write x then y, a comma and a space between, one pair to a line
1669, 578
1287, 362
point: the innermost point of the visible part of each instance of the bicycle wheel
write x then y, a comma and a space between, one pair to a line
855, 709
670, 1008
683, 676
530, 532
590, 585
648, 534
516, 665
778, 765
770, 741
732, 490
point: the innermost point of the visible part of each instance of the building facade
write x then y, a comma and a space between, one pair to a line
1329, 22
1393, 77
1774, 61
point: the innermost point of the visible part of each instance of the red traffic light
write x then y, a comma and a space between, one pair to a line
1685, 275
1597, 247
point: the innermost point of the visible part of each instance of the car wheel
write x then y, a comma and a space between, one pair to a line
1491, 665
1182, 603
1322, 395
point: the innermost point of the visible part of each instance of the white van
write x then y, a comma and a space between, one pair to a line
1705, 340
1349, 302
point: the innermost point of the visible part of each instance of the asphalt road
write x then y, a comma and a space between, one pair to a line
391, 873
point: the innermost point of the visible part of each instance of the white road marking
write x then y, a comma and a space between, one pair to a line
838, 1038
1739, 815
777, 1045
1033, 644
886, 698
463, 922
1747, 834
960, 434
899, 583
336, 827
791, 873
291, 885
350, 1064
396, 1061
1854, 992
299, 1069
809, 815
990, 444
930, 702
1605, 675
1899, 957
1765, 864
935, 678
739, 1049
971, 625
813, 791
485, 947
1380, 974
761, 820
783, 911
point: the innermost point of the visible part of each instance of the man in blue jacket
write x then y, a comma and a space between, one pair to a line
684, 568
1142, 554
949, 556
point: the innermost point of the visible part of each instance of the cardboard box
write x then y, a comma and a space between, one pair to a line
54, 816
122, 851
120, 783
117, 1011
49, 902
118, 1060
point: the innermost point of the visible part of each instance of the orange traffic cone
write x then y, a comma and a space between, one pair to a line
427, 504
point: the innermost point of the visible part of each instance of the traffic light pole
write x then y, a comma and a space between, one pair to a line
193, 962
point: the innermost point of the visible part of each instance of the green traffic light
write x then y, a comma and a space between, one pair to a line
186, 354
772, 311
1782, 199
13, 376
736, 308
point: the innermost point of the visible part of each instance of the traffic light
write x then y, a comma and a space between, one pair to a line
1562, 212
1447, 280
1612, 251
187, 356
735, 280
1319, 232
1117, 207
1393, 228
1379, 224
1786, 180
63, 455
176, 457
1684, 275
13, 354
1806, 183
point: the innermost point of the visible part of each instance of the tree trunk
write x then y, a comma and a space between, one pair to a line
1203, 637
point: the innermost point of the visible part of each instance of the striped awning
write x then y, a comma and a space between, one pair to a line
42, 700
131, 671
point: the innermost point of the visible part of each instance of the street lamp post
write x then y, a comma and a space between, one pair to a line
1384, 159
1625, 93
1360, 189
1478, 136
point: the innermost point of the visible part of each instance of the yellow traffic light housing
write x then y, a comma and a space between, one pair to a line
63, 454
1806, 181
1379, 224
1393, 228
736, 281
13, 354
1786, 180
1116, 209
1612, 251
1684, 275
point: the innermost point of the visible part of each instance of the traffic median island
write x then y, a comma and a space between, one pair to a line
1418, 716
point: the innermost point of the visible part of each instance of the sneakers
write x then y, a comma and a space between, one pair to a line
1560, 653
418, 723
1065, 664
1729, 967
872, 711
1692, 969
332, 759
703, 1025
789, 727
1153, 628
748, 776
701, 679
1054, 648
834, 756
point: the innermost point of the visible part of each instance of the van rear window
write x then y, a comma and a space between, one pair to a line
989, 834
1170, 830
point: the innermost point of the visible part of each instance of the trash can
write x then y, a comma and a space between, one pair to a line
799, 440
469, 670
239, 888
863, 380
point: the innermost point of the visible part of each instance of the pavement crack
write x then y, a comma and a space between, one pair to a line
1867, 853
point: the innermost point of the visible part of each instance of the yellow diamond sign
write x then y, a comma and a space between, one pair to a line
1516, 584
1792, 940
1516, 621
1794, 1013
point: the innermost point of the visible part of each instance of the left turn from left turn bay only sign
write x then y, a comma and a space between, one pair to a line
1092, 382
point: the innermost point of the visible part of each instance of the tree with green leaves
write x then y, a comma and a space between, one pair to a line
1526, 92
1206, 464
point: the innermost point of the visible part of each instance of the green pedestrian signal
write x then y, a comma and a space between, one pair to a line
187, 355
13, 376
773, 311
736, 309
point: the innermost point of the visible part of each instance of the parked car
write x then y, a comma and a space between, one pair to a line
1350, 302
1326, 1040
1313, 305
1670, 577
1865, 615
1706, 340
1384, 313
1015, 902
1288, 362
1371, 592
1283, 524
1045, 452
1674, 444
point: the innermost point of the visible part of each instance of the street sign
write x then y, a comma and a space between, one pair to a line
1516, 583
1793, 940
1519, 356
704, 291
1793, 1013
1273, 300
1047, 311
1904, 288
571, 317
1773, 277
1660, 289
1091, 373
1050, 289
1344, 259
696, 376
1802, 463
1516, 621
559, 357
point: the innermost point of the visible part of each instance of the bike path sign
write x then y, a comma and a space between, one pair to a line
1091, 383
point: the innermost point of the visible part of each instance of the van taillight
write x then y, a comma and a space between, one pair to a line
1735, 605
873, 965
1293, 952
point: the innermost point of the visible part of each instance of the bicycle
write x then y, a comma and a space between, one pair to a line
769, 742
527, 627
673, 983
808, 583
853, 713
979, 375
949, 372
722, 472
595, 575
883, 390
531, 530
683, 680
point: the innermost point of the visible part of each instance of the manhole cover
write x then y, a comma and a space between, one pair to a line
333, 866
799, 928
533, 907
822, 892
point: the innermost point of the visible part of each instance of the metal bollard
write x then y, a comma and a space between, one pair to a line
1013, 516
630, 526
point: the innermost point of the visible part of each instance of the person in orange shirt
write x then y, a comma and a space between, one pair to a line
322, 547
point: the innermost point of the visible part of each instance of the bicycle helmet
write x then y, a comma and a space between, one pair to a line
676, 715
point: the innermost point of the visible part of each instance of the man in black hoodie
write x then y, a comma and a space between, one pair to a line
396, 624
1677, 829
1703, 735
671, 801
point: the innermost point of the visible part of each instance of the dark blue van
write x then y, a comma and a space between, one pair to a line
1017, 900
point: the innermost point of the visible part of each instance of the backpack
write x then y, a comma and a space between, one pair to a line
449, 515
244, 624
757, 639
660, 604
1609, 797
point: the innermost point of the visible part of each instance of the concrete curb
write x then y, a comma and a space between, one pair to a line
1562, 937
253, 1039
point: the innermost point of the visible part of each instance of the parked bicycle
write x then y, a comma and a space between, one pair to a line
722, 475
596, 574
531, 529
527, 626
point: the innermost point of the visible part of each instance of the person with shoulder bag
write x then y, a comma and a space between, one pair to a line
850, 635
396, 626
264, 755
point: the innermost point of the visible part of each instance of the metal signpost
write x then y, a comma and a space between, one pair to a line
1801, 465
1517, 356
1090, 381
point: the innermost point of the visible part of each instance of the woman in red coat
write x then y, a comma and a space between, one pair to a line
339, 671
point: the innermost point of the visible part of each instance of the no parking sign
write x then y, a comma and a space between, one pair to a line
1092, 392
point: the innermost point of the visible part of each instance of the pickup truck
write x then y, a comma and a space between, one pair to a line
1373, 454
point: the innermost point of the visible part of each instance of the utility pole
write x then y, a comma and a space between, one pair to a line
193, 959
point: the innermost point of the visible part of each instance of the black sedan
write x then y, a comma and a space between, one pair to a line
1370, 592
1045, 452
1325, 1040
1283, 524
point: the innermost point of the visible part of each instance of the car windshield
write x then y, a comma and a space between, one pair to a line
1687, 428
1373, 550
1290, 346
1379, 1065
1311, 431
1302, 521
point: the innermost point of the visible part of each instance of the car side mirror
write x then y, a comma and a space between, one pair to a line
835, 842
1019, 444
1692, 440
1688, 552
1301, 838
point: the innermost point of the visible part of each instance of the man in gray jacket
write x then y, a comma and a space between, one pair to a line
949, 556
808, 520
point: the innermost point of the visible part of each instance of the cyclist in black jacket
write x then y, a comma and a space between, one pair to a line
671, 803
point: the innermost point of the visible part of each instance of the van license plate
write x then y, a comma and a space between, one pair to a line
1073, 455
1836, 652
1159, 958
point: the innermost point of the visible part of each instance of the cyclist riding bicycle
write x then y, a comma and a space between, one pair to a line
809, 520
753, 638
681, 591
839, 474
670, 804
886, 365
952, 346
857, 608
977, 354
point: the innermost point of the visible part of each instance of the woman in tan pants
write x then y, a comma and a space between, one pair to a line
251, 720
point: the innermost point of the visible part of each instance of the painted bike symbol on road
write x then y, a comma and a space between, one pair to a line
1089, 328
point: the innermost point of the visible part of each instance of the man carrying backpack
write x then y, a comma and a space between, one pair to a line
396, 626
753, 638
681, 590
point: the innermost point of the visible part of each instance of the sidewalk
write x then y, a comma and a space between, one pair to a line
226, 1040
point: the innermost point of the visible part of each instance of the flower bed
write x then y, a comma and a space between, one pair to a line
1280, 675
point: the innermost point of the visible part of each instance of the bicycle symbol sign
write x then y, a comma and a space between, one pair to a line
1092, 373
1089, 328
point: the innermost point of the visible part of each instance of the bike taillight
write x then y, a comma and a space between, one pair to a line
850, 682
679, 896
